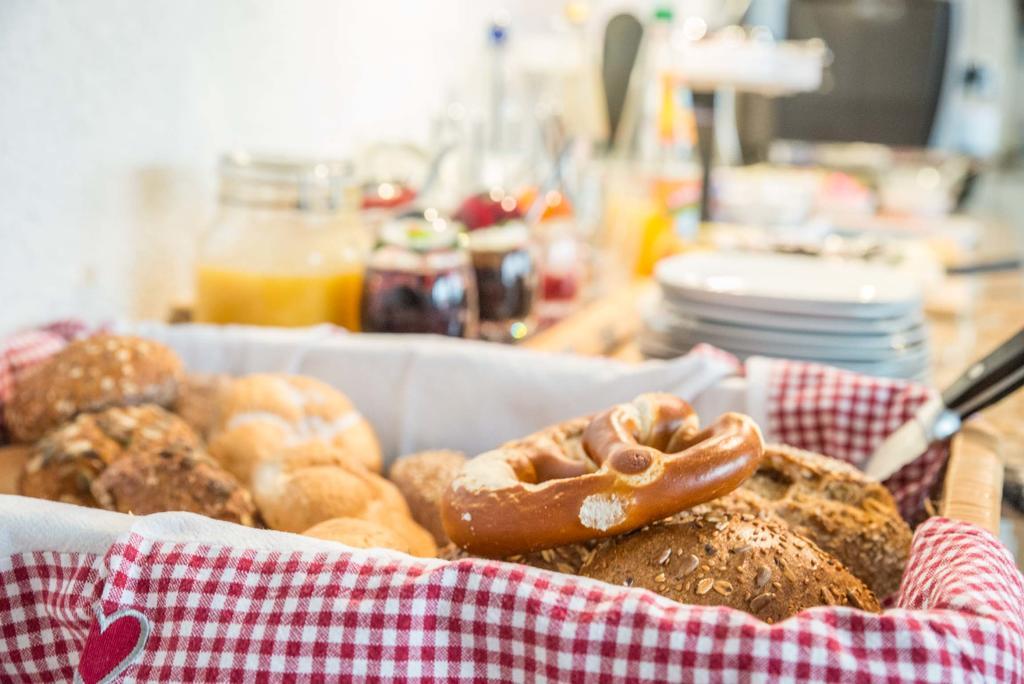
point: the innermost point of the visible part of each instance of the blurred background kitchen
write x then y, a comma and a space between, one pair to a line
115, 114
495, 170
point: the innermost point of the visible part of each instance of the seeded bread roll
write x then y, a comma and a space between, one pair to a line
173, 479
64, 463
91, 375
422, 479
361, 534
838, 508
199, 400
314, 482
261, 415
758, 566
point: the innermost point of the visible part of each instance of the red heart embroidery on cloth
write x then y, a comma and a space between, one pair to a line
114, 642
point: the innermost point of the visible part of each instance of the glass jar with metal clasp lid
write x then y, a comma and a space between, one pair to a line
287, 246
420, 279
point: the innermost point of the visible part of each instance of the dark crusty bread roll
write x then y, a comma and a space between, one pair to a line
736, 560
173, 479
422, 478
64, 463
838, 508
91, 375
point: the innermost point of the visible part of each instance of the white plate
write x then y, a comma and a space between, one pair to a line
670, 322
913, 370
766, 319
783, 283
791, 351
790, 348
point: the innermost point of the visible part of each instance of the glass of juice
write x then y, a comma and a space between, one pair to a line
287, 247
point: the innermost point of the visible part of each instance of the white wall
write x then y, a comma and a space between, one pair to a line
113, 113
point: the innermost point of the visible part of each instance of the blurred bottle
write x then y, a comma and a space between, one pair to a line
499, 241
655, 180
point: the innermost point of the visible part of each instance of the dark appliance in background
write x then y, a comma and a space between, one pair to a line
886, 79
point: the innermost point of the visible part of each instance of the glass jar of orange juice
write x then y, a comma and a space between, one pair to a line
287, 246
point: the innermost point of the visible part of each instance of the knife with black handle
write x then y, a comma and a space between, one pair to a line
977, 379
983, 384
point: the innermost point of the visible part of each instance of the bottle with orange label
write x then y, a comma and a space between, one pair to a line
287, 247
653, 198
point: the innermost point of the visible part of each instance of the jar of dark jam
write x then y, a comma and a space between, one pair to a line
419, 279
506, 278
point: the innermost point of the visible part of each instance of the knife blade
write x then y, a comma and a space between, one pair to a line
983, 384
932, 423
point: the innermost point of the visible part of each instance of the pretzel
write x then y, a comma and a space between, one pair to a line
586, 479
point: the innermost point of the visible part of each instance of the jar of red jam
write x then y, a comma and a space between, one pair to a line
420, 279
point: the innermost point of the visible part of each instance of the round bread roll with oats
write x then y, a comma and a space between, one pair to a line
263, 415
173, 479
840, 509
91, 375
314, 482
360, 534
741, 561
63, 465
422, 478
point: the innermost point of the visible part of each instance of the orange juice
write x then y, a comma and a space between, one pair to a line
234, 296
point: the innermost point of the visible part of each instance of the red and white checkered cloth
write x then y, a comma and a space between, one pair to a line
174, 611
153, 608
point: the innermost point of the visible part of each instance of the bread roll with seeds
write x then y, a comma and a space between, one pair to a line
264, 414
840, 509
91, 375
64, 463
173, 479
744, 562
422, 479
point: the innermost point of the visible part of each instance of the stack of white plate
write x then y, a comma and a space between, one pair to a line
849, 314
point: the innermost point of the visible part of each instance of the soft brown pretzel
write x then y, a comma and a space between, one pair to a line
584, 479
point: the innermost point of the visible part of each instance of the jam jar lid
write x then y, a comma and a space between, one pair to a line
420, 234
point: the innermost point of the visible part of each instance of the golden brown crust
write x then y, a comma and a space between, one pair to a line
261, 415
315, 482
173, 479
758, 566
422, 478
64, 463
199, 401
527, 496
361, 534
839, 508
91, 375
12, 462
